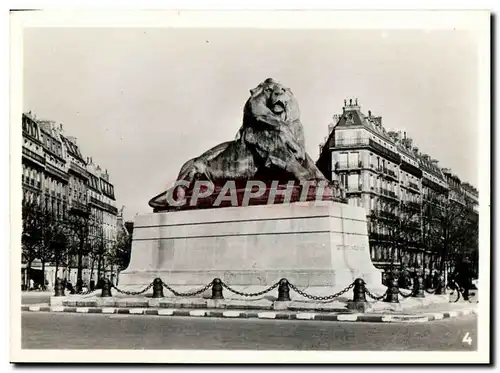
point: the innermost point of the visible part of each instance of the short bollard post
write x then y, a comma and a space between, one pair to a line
59, 288
283, 291
217, 289
359, 291
419, 287
158, 288
106, 288
392, 292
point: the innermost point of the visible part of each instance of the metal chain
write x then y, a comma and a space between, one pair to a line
190, 294
321, 298
89, 292
132, 292
430, 291
406, 295
272, 287
375, 297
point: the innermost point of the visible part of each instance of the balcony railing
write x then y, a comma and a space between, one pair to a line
78, 169
413, 205
351, 142
354, 188
79, 205
379, 237
103, 205
387, 193
348, 165
413, 186
31, 154
384, 214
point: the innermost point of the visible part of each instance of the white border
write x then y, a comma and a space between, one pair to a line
477, 21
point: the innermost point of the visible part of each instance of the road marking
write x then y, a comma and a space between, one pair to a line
231, 313
34, 308
166, 312
347, 317
108, 310
197, 313
82, 309
136, 311
438, 316
266, 315
57, 308
304, 316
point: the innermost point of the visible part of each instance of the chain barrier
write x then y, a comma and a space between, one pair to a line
189, 294
430, 291
272, 287
405, 295
375, 297
132, 292
89, 292
322, 298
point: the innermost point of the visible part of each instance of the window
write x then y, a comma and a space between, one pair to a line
343, 158
353, 182
353, 159
343, 180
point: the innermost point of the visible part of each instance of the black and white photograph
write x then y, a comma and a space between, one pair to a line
264, 186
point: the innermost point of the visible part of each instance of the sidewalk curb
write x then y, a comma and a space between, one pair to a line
246, 314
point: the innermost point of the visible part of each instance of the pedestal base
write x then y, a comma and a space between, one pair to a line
320, 244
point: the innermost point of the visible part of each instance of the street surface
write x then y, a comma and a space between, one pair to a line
90, 331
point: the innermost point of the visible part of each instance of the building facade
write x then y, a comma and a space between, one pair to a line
386, 174
56, 176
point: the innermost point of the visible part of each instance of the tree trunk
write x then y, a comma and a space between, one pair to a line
79, 272
28, 270
92, 267
57, 270
99, 266
43, 274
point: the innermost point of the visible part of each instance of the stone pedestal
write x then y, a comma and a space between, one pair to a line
321, 246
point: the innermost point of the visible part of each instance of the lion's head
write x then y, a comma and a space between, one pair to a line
272, 98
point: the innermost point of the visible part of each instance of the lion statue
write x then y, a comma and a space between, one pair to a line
270, 145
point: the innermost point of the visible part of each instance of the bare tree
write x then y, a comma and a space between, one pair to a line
78, 225
452, 229
399, 227
120, 252
43, 236
31, 234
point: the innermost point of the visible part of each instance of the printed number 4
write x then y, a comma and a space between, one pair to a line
467, 339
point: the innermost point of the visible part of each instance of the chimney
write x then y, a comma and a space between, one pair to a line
369, 113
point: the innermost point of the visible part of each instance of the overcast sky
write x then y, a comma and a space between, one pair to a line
141, 102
